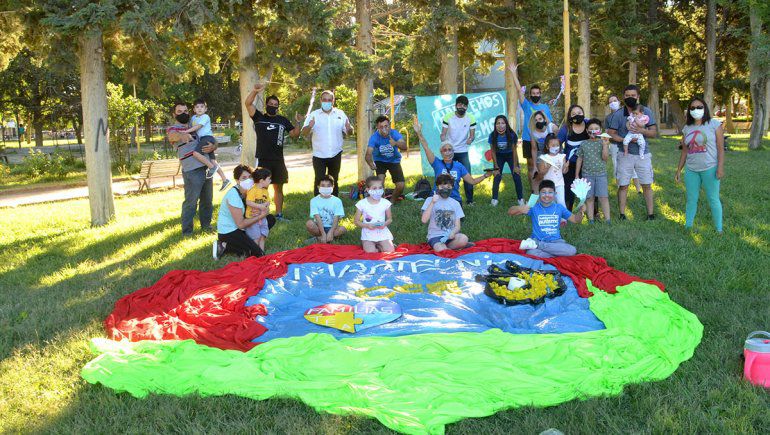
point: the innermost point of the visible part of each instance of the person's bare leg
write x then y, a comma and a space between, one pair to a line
369, 246
647, 188
339, 232
219, 170
386, 246
622, 195
397, 191
261, 243
531, 174
312, 228
590, 208
459, 242
438, 247
638, 186
604, 202
278, 198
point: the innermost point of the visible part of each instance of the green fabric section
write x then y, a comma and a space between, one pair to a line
419, 383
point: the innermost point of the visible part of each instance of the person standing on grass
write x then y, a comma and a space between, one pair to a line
502, 143
383, 156
198, 190
592, 165
577, 133
459, 129
614, 105
328, 125
529, 106
703, 157
271, 129
627, 164
231, 223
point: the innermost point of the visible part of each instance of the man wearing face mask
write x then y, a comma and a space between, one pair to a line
328, 126
383, 156
198, 190
459, 129
529, 106
633, 162
271, 129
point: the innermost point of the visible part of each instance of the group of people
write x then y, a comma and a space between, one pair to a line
555, 156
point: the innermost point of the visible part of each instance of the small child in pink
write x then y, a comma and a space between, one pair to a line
637, 119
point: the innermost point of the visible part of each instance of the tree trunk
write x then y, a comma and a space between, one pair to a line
767, 103
364, 87
93, 89
447, 81
584, 65
711, 48
248, 77
757, 81
653, 101
78, 127
512, 93
18, 124
729, 125
37, 125
632, 65
147, 127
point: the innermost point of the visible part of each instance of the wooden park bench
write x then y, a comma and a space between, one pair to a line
157, 169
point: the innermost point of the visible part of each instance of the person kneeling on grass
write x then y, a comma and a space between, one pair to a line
546, 215
373, 217
443, 214
231, 222
325, 213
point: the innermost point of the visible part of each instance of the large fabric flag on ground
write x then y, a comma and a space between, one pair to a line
409, 368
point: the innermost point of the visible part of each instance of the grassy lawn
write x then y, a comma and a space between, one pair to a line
59, 279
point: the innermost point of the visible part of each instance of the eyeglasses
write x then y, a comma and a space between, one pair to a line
696, 107
547, 193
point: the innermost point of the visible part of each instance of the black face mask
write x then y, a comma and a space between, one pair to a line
461, 111
271, 110
535, 99
183, 118
577, 119
630, 102
444, 193
540, 125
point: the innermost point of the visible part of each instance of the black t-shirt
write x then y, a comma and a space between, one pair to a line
271, 134
574, 140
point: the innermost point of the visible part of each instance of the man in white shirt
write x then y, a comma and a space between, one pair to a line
459, 129
328, 125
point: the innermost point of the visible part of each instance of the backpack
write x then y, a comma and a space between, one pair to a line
423, 189
357, 190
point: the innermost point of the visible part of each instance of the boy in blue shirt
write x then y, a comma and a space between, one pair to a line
547, 214
201, 126
325, 213
383, 154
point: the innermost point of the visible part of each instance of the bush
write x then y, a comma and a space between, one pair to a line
235, 135
40, 164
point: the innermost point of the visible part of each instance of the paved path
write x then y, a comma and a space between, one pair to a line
122, 186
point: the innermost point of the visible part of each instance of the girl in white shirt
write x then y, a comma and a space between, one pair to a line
373, 217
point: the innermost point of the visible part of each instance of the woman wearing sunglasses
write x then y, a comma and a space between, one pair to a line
703, 157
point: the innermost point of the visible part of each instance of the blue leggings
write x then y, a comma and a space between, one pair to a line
693, 180
502, 159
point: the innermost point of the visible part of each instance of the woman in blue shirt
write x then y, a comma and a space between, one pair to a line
502, 143
231, 222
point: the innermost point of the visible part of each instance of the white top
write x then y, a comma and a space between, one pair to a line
459, 130
374, 214
328, 132
554, 173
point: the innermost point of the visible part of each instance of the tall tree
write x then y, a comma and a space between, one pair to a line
653, 77
759, 67
365, 85
448, 51
711, 49
584, 58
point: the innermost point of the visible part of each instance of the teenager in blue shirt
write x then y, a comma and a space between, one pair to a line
502, 143
383, 156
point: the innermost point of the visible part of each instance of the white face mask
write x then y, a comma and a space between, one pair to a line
247, 184
615, 105
554, 150
325, 191
376, 193
697, 113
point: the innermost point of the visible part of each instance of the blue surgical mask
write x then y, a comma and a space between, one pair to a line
326, 106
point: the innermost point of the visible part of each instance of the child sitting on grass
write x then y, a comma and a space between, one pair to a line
373, 217
546, 215
325, 213
443, 214
258, 203
201, 126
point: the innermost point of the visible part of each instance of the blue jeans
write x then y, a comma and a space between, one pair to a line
198, 194
502, 159
463, 158
693, 180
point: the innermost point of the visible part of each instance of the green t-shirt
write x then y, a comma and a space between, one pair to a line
591, 152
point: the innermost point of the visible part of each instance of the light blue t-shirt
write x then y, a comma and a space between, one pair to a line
528, 108
456, 170
225, 222
546, 221
382, 150
205, 122
327, 208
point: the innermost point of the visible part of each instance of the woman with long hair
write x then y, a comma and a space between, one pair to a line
502, 144
576, 134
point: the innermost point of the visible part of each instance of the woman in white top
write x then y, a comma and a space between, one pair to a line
703, 157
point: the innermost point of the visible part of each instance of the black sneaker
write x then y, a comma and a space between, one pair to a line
650, 217
218, 249
622, 217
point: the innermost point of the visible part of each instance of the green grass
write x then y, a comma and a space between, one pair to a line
59, 279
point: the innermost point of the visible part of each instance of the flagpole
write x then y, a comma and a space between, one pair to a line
567, 87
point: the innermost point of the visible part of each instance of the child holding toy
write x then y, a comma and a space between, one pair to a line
258, 203
592, 159
553, 165
443, 214
373, 216
325, 213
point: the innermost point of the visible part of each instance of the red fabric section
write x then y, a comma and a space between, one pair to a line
208, 307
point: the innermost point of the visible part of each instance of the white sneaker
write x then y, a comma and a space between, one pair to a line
527, 244
522, 202
494, 203
218, 249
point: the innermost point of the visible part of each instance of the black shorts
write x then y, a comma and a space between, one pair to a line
527, 149
396, 173
278, 172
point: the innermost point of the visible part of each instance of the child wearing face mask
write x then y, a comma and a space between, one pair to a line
373, 216
636, 119
325, 213
592, 160
258, 203
546, 241
443, 215
553, 166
